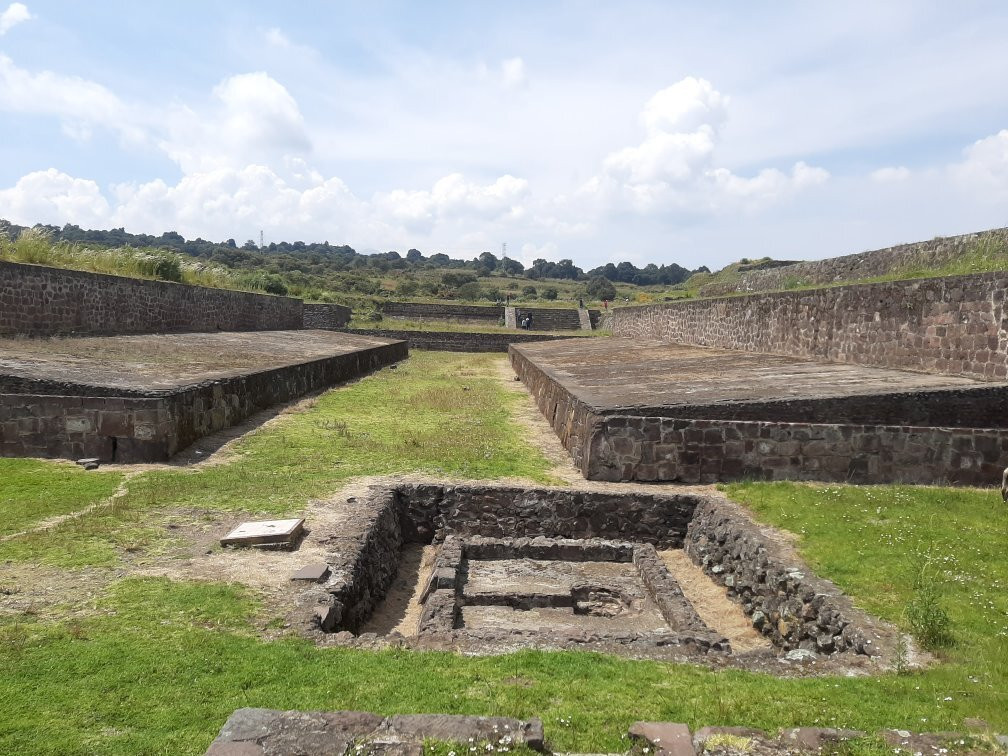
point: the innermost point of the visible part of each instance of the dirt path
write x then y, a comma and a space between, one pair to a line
719, 612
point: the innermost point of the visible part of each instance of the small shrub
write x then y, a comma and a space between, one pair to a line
550, 293
928, 621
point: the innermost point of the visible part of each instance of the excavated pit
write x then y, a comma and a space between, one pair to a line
485, 568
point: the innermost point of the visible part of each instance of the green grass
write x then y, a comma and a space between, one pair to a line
164, 664
984, 256
36, 248
159, 665
33, 491
442, 414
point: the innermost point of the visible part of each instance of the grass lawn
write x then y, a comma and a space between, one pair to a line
159, 664
33, 491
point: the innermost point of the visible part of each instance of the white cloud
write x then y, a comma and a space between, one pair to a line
674, 169
54, 197
513, 73
254, 120
688, 105
79, 103
15, 14
530, 252
455, 198
984, 168
890, 174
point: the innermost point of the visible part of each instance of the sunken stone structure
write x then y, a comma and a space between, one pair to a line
557, 568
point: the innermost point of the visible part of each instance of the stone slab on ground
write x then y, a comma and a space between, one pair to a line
312, 572
670, 738
265, 533
270, 732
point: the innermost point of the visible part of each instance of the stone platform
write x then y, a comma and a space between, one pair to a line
144, 398
629, 409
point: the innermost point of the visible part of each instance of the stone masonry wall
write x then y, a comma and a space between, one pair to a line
326, 316
785, 601
437, 311
436, 511
952, 326
453, 341
571, 418
543, 318
879, 262
704, 451
138, 428
41, 301
550, 319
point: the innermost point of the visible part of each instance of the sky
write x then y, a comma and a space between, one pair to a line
694, 133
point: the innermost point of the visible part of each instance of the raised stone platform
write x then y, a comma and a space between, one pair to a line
144, 398
653, 411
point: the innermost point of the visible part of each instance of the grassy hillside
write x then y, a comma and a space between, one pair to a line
362, 287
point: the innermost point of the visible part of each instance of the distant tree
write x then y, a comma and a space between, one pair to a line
601, 288
250, 245
469, 291
407, 288
550, 293
529, 292
488, 261
414, 255
511, 267
455, 280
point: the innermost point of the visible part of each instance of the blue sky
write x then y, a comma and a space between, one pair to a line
652, 132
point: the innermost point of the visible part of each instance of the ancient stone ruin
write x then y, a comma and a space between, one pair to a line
555, 568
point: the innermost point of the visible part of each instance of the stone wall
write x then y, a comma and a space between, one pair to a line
953, 326
543, 318
786, 602
550, 319
438, 311
151, 426
41, 301
436, 511
656, 449
904, 257
453, 341
326, 316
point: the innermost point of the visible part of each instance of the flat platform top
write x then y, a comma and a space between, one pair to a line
618, 373
152, 362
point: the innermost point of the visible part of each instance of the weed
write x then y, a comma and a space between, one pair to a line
929, 622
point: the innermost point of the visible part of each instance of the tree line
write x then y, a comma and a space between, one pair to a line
320, 258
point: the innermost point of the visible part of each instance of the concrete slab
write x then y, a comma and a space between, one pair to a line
265, 533
312, 572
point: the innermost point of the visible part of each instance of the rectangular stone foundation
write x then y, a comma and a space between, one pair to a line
653, 412
568, 557
44, 417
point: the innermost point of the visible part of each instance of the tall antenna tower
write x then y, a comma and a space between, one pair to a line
503, 249
260, 240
